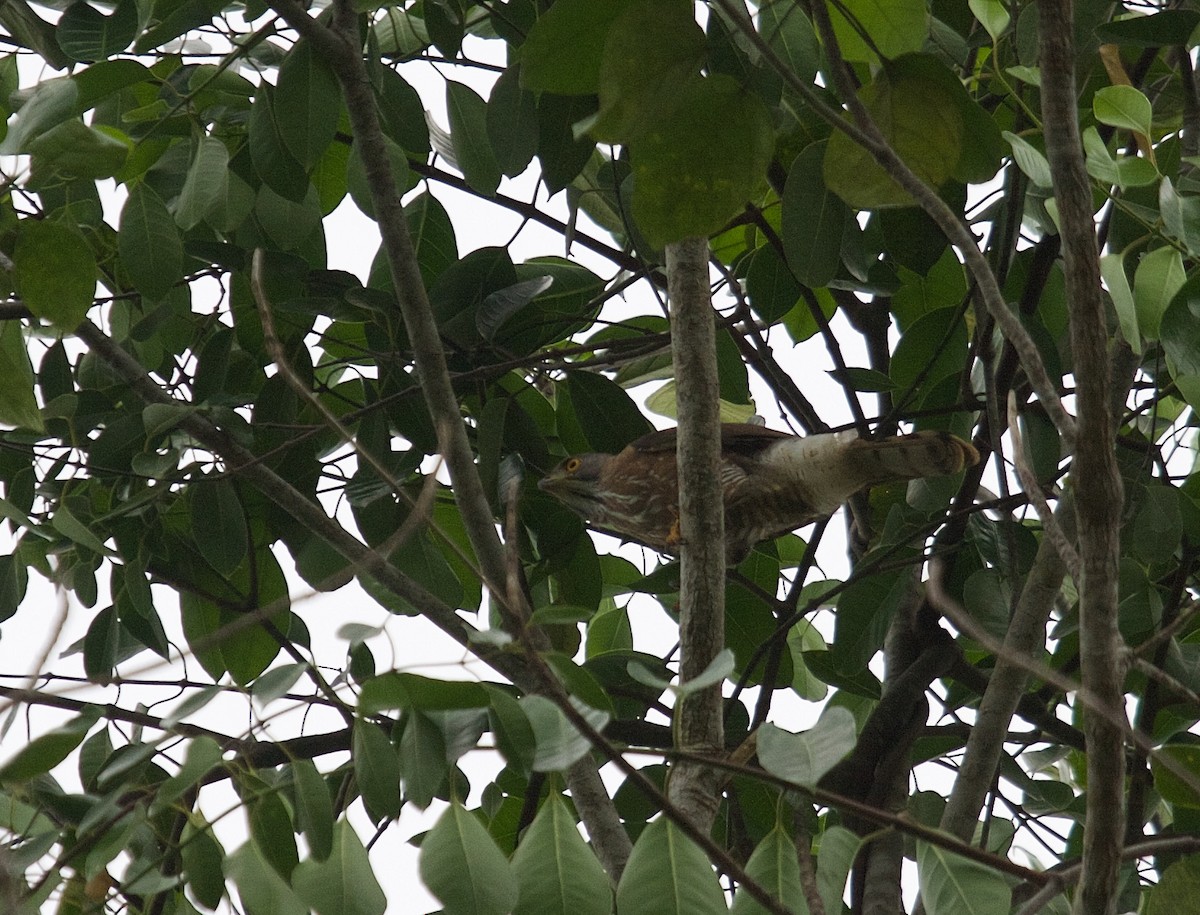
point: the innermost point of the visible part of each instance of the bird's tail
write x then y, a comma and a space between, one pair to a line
907, 457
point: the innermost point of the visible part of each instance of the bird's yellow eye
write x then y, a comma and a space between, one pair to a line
572, 464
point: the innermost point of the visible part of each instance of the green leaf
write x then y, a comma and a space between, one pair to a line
932, 348
423, 758
1180, 215
345, 882
864, 612
314, 808
839, 847
432, 234
1159, 276
592, 395
401, 113
464, 868
953, 885
805, 758
18, 405
704, 162
203, 755
668, 874
468, 130
308, 102
149, 244
219, 523
72, 151
774, 867
53, 102
651, 50
1031, 160
203, 860
273, 160
1112, 270
86, 34
513, 732
377, 768
271, 828
275, 683
896, 27
1180, 334
1124, 107
555, 869
1178, 788
65, 522
47, 750
512, 123
262, 890
563, 50
1177, 887
55, 272
562, 150
289, 224
921, 109
206, 184
790, 34
559, 744
398, 690
356, 176
992, 15
1166, 27
814, 220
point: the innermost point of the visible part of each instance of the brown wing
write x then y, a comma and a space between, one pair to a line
740, 438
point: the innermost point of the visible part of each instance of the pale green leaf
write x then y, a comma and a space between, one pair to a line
556, 871
464, 869
804, 758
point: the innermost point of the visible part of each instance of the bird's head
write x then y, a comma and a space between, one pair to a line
576, 483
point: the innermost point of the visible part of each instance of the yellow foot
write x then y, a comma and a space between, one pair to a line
674, 537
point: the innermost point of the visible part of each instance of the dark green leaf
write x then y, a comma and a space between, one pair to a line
218, 523
149, 243
55, 272
512, 123
563, 51
314, 808
377, 768
397, 690
609, 418
468, 129
308, 103
86, 34
813, 220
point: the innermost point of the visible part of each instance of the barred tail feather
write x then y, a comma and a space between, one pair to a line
907, 457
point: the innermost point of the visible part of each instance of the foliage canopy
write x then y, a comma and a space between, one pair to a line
206, 413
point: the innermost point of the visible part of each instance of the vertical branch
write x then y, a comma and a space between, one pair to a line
699, 726
1023, 644
341, 46
1094, 476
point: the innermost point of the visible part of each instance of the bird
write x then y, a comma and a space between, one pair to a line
772, 482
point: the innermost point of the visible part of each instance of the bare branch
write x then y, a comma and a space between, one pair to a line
699, 717
1094, 473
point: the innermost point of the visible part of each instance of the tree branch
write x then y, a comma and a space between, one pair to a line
699, 717
340, 45
1094, 474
